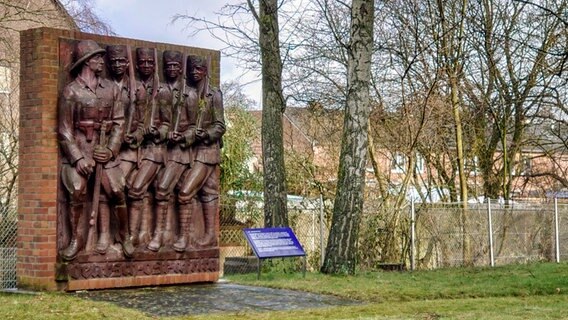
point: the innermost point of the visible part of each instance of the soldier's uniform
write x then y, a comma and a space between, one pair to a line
169, 97
152, 149
118, 66
203, 179
179, 155
179, 159
129, 151
150, 159
83, 112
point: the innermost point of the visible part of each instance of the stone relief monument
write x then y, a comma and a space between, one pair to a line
139, 149
138, 135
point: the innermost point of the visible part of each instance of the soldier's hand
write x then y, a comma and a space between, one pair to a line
85, 167
175, 136
154, 131
150, 132
129, 139
146, 133
201, 135
102, 154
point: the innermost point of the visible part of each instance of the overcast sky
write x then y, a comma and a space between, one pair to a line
151, 20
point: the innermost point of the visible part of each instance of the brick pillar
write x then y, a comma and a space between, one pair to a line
38, 160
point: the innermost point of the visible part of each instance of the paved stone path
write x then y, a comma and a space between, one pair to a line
209, 298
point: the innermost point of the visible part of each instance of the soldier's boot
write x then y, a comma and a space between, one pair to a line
161, 214
169, 234
145, 235
104, 228
209, 239
135, 212
77, 233
182, 240
123, 234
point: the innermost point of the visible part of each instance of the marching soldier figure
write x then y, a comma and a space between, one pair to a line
203, 179
88, 111
119, 63
171, 95
151, 134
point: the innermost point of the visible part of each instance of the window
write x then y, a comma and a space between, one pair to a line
522, 167
5, 140
5, 79
472, 166
419, 164
525, 166
398, 163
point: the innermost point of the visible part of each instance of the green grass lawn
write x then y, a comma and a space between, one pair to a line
534, 291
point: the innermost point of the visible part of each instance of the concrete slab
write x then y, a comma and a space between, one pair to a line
212, 298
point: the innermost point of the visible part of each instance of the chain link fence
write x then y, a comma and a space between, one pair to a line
411, 235
8, 237
437, 235
488, 234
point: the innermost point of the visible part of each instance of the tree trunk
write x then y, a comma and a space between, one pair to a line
452, 53
379, 176
341, 252
273, 105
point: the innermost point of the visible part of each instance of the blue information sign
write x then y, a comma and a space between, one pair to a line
274, 242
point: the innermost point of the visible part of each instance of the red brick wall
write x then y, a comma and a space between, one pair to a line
38, 155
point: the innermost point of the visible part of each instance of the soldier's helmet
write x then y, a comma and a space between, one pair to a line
197, 61
84, 50
172, 56
144, 52
116, 51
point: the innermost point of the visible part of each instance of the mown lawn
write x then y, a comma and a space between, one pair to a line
534, 291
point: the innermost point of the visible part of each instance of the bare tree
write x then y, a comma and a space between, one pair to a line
510, 82
273, 106
14, 17
341, 252
257, 35
450, 34
86, 18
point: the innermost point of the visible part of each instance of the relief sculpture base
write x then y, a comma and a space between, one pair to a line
168, 267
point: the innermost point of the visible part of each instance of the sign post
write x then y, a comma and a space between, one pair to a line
279, 242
